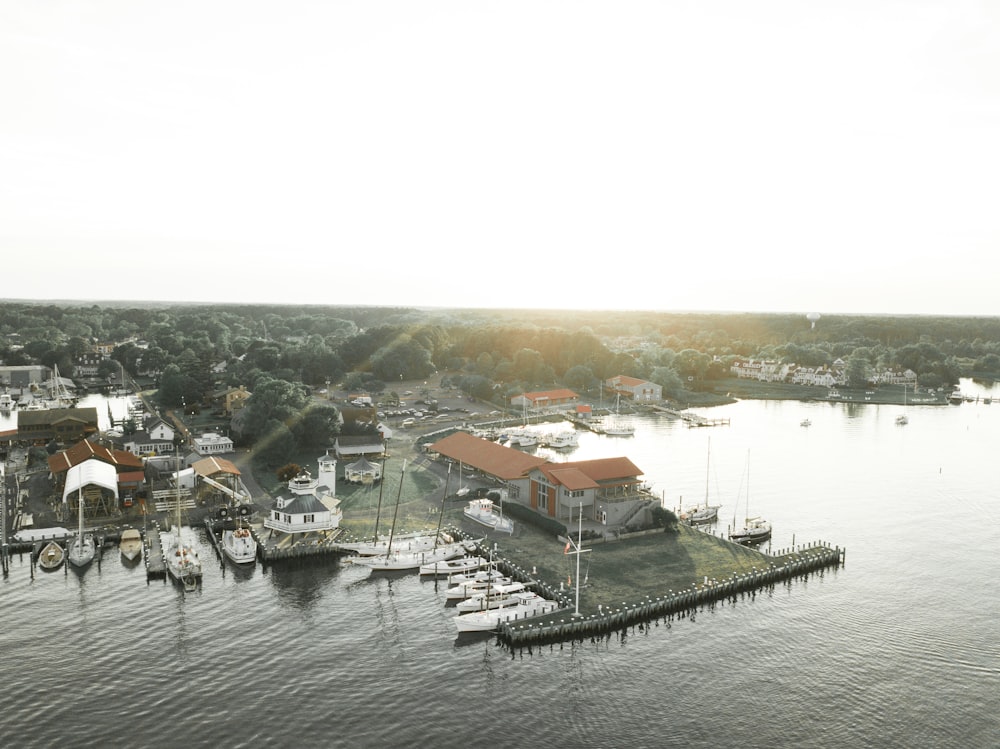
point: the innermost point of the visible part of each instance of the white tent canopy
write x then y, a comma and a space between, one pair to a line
89, 472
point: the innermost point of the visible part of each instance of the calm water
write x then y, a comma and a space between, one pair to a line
897, 649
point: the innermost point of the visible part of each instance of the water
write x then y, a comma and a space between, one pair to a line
896, 649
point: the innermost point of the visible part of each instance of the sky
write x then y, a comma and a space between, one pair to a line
711, 155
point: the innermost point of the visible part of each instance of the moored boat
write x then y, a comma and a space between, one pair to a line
130, 544
754, 531
494, 597
51, 556
239, 545
528, 604
481, 511
470, 588
453, 566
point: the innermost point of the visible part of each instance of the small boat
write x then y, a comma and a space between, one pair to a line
903, 419
130, 544
453, 566
527, 604
51, 556
703, 513
616, 427
494, 597
489, 573
481, 511
805, 423
7, 403
561, 440
956, 397
239, 545
470, 588
754, 530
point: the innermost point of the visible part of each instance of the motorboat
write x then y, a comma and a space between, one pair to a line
239, 545
527, 604
130, 544
453, 566
51, 556
561, 440
482, 512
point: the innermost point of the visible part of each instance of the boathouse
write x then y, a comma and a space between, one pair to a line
545, 399
41, 426
499, 464
609, 490
358, 445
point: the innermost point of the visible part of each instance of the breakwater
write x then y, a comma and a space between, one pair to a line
564, 626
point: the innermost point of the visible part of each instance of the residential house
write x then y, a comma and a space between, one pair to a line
641, 391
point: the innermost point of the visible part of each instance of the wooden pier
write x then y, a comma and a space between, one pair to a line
156, 565
563, 626
691, 419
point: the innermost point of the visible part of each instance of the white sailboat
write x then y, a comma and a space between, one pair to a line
526, 605
704, 513
81, 549
396, 560
616, 426
903, 419
182, 559
462, 490
755, 530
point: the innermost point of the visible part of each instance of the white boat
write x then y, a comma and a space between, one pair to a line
130, 544
453, 566
494, 597
805, 423
903, 419
417, 541
81, 549
409, 560
239, 545
181, 557
462, 489
703, 513
7, 403
527, 605
561, 440
616, 426
482, 512
469, 588
51, 556
755, 530
488, 573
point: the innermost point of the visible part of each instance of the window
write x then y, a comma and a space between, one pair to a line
542, 497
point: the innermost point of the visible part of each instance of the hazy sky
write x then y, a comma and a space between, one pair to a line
789, 156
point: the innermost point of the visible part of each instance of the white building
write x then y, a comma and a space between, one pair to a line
211, 443
313, 505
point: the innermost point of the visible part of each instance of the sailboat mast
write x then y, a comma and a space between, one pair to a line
444, 496
395, 512
708, 462
378, 510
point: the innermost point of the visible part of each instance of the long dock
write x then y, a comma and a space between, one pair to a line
156, 565
691, 419
564, 627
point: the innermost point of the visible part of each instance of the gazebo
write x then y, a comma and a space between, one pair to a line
362, 472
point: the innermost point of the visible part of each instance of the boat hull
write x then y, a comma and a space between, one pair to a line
239, 546
81, 550
51, 556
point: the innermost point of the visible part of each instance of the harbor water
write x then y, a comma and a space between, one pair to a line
897, 648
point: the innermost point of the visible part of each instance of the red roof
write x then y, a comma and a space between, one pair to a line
85, 450
560, 394
496, 460
626, 380
586, 474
